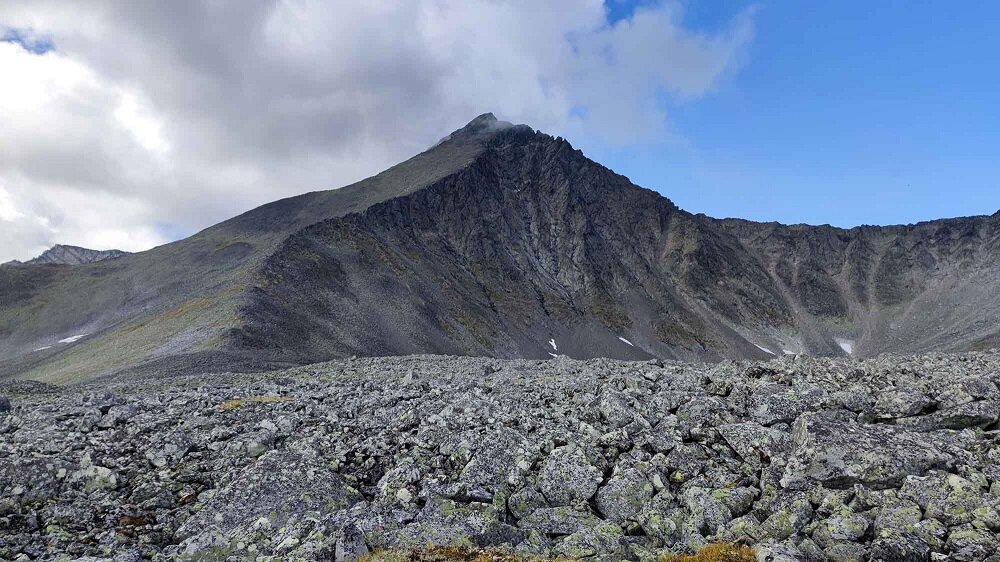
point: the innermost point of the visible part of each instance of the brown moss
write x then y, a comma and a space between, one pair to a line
714, 553
263, 399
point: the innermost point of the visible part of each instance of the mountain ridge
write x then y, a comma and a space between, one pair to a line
493, 242
65, 254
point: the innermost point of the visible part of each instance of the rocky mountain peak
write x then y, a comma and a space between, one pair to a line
75, 255
479, 129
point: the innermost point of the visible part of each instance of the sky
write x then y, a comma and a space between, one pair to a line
131, 124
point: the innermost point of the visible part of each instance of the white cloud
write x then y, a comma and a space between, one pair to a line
141, 123
186, 113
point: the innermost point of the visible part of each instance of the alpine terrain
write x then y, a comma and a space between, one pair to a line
506, 242
507, 351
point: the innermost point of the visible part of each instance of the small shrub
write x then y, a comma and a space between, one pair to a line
264, 399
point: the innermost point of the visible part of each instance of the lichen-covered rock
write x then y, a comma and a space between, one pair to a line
967, 543
558, 520
841, 526
708, 510
567, 476
951, 499
897, 546
788, 519
778, 404
839, 454
970, 414
600, 541
901, 403
624, 495
275, 488
755, 443
503, 457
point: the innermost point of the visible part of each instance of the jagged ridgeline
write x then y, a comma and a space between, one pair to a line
506, 242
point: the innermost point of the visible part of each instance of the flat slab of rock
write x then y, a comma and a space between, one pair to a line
839, 454
281, 484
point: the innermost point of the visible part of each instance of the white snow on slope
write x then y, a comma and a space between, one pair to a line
764, 349
72, 339
626, 341
846, 345
554, 356
788, 352
552, 342
43, 347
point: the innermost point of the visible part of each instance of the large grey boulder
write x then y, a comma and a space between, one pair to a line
755, 443
567, 476
624, 495
503, 457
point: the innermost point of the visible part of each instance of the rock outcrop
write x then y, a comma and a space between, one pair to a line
74, 255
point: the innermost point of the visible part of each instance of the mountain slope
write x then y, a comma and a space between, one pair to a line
179, 300
497, 241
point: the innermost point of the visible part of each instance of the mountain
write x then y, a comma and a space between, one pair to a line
502, 241
62, 254
74, 255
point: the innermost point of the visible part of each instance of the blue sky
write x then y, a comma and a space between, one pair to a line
841, 113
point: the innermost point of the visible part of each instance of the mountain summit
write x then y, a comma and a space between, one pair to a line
75, 255
503, 241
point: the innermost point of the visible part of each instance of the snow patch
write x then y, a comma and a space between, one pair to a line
764, 349
552, 342
788, 352
72, 339
554, 356
43, 347
626, 341
846, 345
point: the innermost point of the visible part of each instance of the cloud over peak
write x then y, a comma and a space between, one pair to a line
126, 123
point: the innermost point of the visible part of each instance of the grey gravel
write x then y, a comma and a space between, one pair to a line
892, 458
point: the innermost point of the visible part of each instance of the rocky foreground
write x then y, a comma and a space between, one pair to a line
894, 458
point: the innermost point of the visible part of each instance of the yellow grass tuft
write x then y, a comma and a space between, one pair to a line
263, 399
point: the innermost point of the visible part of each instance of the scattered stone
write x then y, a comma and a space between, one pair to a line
892, 459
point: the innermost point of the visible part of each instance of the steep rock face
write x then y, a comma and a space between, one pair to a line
531, 243
934, 285
75, 255
534, 250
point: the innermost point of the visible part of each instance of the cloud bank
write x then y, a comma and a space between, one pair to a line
127, 124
